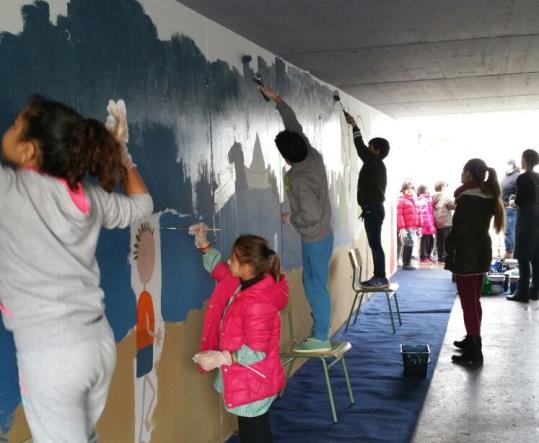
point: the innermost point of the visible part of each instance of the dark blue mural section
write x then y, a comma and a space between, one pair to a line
108, 49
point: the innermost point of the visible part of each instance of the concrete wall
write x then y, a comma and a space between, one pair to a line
203, 139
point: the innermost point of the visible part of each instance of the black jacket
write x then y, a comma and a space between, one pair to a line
527, 227
372, 180
468, 246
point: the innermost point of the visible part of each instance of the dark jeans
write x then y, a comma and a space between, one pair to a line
373, 216
255, 429
441, 237
509, 237
426, 247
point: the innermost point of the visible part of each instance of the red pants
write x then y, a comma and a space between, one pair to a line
469, 289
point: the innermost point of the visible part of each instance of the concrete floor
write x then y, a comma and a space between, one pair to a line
498, 402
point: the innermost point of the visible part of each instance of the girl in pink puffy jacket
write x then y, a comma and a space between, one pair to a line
428, 227
241, 331
408, 223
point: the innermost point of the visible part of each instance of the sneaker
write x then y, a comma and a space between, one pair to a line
312, 344
408, 267
425, 261
432, 260
376, 282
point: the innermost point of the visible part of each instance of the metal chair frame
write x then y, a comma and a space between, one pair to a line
329, 359
391, 291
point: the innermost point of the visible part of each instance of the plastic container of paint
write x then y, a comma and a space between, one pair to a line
496, 283
415, 359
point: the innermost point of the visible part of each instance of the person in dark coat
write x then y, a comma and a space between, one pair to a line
469, 249
527, 229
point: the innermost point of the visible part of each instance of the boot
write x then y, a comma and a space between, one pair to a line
462, 344
518, 296
472, 356
533, 293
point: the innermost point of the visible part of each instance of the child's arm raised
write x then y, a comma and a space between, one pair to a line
288, 115
362, 151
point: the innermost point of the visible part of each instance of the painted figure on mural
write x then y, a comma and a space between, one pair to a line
148, 336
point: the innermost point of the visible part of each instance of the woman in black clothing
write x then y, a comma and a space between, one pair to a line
527, 229
469, 249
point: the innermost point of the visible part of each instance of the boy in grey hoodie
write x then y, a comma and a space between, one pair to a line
306, 186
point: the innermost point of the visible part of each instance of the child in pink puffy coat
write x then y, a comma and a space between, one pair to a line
408, 223
241, 331
428, 228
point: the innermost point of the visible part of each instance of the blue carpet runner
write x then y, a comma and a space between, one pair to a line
387, 404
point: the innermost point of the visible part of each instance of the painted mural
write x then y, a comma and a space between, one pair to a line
202, 137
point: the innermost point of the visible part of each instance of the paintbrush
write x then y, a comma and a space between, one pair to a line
177, 228
337, 99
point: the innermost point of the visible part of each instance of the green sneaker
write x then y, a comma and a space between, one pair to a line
312, 344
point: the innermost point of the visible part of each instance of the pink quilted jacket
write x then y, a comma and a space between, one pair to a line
252, 319
408, 216
426, 211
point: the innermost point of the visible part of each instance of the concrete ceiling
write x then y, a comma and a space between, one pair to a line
403, 57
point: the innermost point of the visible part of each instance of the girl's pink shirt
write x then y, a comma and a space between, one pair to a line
78, 196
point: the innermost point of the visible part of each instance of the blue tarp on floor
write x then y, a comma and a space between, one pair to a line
387, 404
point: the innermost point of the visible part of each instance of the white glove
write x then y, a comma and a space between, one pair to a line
200, 231
403, 233
209, 360
116, 123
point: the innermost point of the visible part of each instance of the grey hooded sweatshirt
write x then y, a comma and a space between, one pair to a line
49, 277
306, 186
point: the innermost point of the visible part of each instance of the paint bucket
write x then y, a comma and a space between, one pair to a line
415, 359
511, 263
496, 283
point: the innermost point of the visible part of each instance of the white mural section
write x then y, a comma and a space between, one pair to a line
149, 329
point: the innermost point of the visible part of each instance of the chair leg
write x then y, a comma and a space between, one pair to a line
347, 378
289, 367
390, 312
359, 307
351, 312
397, 306
330, 391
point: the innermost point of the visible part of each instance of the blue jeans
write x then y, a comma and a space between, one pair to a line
316, 257
373, 216
511, 216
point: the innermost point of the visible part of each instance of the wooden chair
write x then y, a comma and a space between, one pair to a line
329, 359
391, 291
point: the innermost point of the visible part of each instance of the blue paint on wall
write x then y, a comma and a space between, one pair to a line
109, 49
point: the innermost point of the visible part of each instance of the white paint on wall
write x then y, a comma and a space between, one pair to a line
225, 45
11, 17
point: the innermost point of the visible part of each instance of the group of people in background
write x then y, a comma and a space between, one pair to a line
426, 217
